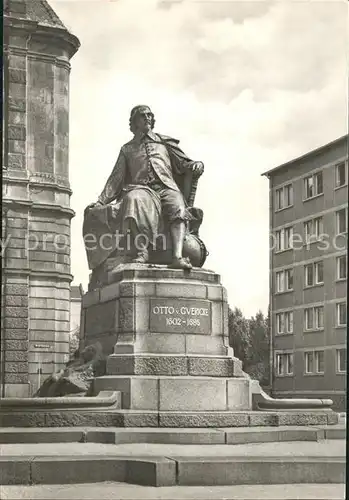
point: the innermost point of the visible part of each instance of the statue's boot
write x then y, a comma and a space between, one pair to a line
142, 257
181, 263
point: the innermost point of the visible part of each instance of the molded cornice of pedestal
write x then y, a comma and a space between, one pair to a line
264, 402
158, 272
103, 399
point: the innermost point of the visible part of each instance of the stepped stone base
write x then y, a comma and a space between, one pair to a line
166, 465
169, 359
171, 351
234, 435
148, 418
169, 363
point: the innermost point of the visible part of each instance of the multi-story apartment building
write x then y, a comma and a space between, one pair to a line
308, 274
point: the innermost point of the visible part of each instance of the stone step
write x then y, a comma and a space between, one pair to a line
174, 365
170, 435
170, 465
165, 419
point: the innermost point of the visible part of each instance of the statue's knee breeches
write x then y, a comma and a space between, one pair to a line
172, 204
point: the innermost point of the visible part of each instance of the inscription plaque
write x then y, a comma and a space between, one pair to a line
180, 316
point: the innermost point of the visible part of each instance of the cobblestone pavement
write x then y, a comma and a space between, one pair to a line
122, 491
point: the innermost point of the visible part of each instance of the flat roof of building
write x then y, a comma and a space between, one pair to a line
306, 155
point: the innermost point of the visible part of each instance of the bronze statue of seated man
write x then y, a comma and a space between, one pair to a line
152, 185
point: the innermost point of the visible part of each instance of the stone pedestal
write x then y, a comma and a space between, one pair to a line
166, 333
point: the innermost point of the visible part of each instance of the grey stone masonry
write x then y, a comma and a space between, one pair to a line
166, 335
159, 311
36, 197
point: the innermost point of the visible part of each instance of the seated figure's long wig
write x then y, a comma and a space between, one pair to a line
133, 115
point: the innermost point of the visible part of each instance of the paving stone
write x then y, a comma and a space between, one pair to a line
262, 435
78, 469
335, 433
299, 434
124, 491
256, 471
13, 470
155, 472
31, 435
100, 436
170, 436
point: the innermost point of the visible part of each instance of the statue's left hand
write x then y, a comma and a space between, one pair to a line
197, 167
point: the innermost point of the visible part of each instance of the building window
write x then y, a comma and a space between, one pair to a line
313, 185
284, 322
314, 273
341, 313
284, 364
289, 322
341, 360
280, 325
284, 239
319, 317
284, 280
313, 229
314, 318
284, 197
309, 362
341, 174
342, 221
314, 362
342, 267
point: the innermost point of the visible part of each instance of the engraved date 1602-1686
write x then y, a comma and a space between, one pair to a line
195, 316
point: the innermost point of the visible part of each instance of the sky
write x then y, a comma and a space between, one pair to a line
245, 86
